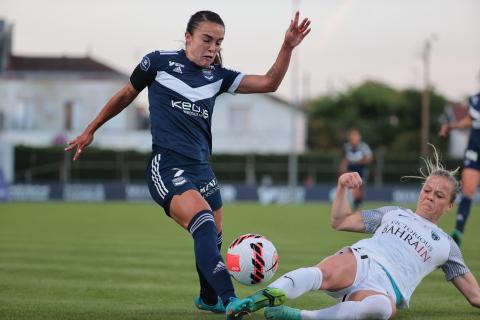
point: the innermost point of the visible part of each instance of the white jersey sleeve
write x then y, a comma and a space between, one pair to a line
455, 265
373, 218
366, 149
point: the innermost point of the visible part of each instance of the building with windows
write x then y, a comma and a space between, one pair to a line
258, 124
47, 100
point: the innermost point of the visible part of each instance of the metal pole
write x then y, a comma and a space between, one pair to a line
425, 114
293, 156
250, 170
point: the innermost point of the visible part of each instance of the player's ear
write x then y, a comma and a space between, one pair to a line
188, 38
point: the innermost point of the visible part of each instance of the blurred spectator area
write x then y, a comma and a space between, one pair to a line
48, 100
36, 165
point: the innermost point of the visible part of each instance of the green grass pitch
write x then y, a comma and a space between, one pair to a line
129, 261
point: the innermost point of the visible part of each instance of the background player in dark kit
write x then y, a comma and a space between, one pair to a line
471, 163
357, 156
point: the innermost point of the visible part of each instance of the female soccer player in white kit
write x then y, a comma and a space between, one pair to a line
374, 276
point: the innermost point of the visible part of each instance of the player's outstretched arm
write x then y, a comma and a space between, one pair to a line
445, 129
113, 107
271, 80
468, 286
342, 217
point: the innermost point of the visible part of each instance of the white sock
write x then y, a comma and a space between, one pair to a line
372, 307
297, 282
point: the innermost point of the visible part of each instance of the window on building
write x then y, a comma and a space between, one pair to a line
22, 117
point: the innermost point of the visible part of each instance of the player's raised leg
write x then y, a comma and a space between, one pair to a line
192, 212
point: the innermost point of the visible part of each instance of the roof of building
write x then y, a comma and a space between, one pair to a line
301, 107
57, 64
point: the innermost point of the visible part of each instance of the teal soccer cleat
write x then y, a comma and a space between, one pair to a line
457, 236
216, 308
268, 297
235, 309
282, 313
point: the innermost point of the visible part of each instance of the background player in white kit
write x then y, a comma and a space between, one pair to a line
374, 276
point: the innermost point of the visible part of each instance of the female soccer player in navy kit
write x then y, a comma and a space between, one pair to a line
357, 156
471, 163
182, 88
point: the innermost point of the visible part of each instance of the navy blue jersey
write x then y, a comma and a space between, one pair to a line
474, 111
181, 97
354, 154
472, 154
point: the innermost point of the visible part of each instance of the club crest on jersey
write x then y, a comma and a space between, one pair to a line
207, 74
435, 236
177, 182
145, 63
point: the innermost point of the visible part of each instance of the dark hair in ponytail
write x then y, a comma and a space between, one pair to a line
202, 16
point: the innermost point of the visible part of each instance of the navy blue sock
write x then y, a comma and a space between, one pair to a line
208, 258
463, 213
207, 293
357, 203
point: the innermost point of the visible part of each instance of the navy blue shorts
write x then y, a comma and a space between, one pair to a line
471, 157
170, 173
360, 169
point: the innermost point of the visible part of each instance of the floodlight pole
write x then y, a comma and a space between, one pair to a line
293, 156
425, 114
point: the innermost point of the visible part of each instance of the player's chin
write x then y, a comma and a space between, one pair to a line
428, 209
207, 61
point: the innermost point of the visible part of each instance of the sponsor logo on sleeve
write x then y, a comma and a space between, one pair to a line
145, 64
471, 155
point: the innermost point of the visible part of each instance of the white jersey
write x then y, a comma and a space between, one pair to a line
409, 247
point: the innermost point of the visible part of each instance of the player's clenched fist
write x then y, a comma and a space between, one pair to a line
350, 180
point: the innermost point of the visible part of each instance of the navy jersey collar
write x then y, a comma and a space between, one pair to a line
183, 54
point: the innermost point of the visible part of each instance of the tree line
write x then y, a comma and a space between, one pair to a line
387, 117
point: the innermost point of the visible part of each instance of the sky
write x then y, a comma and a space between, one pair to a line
351, 40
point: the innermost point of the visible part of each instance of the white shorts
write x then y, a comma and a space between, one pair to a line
370, 276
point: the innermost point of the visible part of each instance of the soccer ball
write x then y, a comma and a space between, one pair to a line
252, 259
